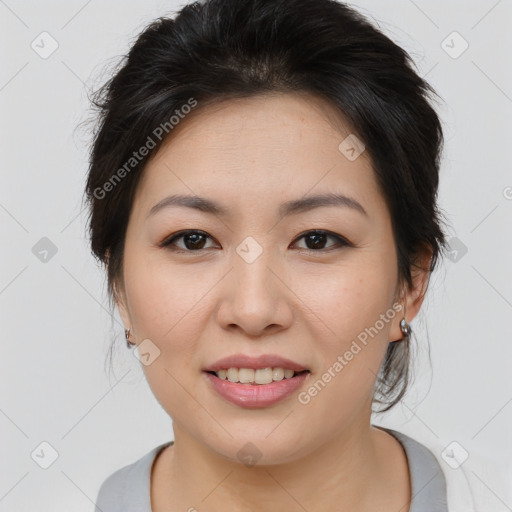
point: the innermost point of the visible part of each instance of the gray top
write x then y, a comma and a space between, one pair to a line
128, 488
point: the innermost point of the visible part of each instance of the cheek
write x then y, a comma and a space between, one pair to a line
164, 299
166, 309
350, 358
168, 305
355, 304
352, 296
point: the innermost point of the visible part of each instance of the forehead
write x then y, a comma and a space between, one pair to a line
276, 119
263, 147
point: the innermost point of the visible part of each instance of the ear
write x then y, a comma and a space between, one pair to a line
121, 303
119, 295
412, 298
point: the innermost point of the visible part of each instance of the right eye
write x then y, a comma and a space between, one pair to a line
193, 240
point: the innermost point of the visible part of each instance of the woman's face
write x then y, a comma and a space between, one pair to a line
254, 281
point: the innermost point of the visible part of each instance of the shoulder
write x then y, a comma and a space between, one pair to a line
128, 488
428, 483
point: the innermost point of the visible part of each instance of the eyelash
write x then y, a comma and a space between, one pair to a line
168, 242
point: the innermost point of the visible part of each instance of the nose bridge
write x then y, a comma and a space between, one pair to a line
251, 266
254, 299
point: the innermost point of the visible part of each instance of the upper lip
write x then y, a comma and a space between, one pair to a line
263, 361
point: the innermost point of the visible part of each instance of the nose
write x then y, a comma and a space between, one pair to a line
254, 297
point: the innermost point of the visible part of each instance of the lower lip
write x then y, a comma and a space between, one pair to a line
256, 395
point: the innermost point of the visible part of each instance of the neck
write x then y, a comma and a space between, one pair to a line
351, 469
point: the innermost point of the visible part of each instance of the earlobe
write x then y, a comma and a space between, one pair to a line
400, 321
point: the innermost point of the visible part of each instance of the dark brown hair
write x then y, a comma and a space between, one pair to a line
221, 49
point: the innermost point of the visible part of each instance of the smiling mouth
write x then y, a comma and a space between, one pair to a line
259, 376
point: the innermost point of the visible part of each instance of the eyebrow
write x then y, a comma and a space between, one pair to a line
292, 207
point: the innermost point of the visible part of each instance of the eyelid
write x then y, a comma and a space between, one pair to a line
341, 241
167, 242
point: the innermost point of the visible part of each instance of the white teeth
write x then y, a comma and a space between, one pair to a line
246, 375
222, 374
233, 375
251, 376
277, 374
263, 376
288, 374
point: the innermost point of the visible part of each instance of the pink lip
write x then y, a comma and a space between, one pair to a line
256, 395
263, 361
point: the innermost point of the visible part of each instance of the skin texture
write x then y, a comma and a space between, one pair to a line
250, 155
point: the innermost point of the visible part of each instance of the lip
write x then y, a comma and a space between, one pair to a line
256, 395
263, 361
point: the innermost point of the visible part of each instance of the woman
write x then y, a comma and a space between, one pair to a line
263, 188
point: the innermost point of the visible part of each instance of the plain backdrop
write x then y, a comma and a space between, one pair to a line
55, 326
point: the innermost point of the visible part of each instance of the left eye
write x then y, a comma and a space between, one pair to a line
194, 240
318, 238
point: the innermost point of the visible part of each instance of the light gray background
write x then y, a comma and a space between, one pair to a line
55, 324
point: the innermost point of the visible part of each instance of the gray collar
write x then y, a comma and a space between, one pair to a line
428, 483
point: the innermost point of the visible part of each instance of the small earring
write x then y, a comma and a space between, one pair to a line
405, 327
127, 336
